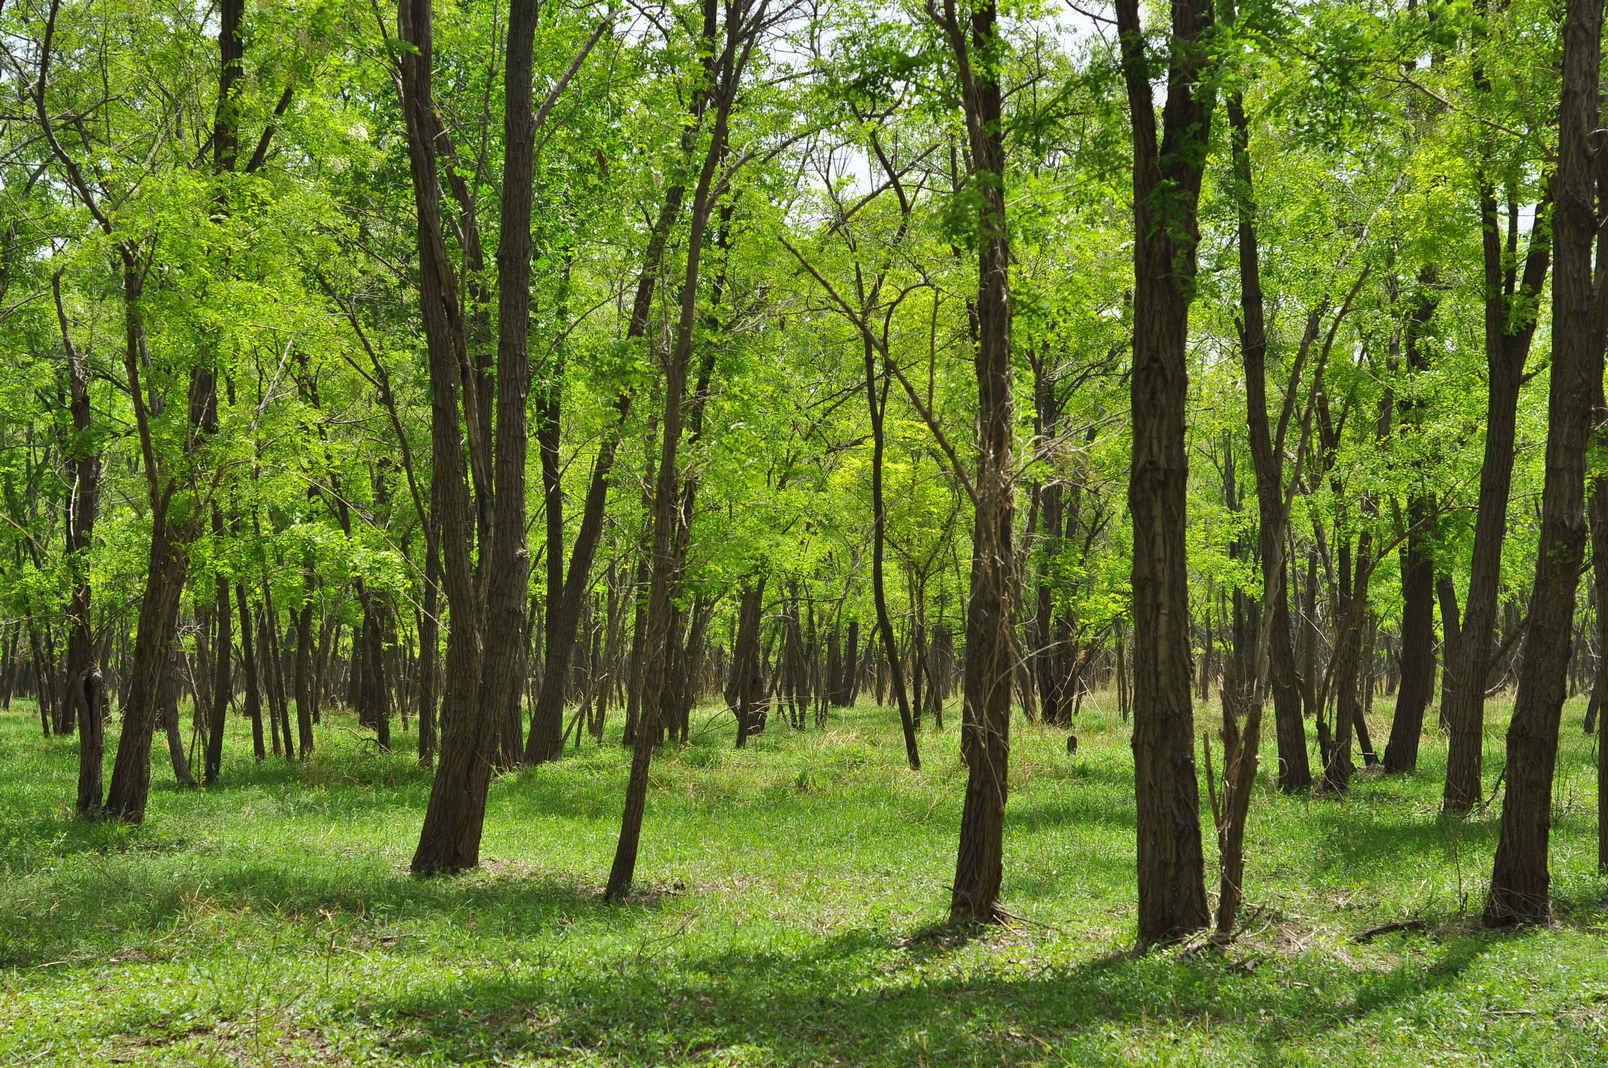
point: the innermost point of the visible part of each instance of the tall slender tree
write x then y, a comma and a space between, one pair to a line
1167, 174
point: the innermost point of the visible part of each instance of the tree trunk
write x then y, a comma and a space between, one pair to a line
84, 691
990, 641
723, 70
222, 682
159, 606
1295, 771
1520, 878
878, 404
1167, 177
450, 840
1511, 305
429, 639
1417, 641
248, 655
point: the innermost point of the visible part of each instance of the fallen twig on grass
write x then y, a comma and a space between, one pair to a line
1371, 933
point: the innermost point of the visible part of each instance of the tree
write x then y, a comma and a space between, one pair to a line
977, 49
1519, 877
1166, 191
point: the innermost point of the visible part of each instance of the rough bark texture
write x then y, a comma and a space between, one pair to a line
450, 838
1417, 641
1520, 878
1599, 570
1166, 191
508, 581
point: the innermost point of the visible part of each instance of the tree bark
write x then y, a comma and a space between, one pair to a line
84, 695
990, 640
450, 838
1520, 879
1511, 305
1166, 191
1295, 770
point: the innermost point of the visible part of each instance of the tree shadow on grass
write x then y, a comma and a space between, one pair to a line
887, 1000
133, 908
1353, 840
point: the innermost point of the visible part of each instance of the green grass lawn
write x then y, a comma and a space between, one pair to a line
788, 911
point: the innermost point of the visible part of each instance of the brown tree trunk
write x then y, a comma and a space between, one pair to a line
168, 705
306, 655
1166, 189
1417, 567
878, 402
1511, 305
1598, 515
990, 641
85, 689
429, 639
724, 64
248, 656
1520, 878
475, 705
746, 680
222, 681
159, 606
1295, 771
1417, 640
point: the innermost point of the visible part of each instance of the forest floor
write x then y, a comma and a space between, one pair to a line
789, 912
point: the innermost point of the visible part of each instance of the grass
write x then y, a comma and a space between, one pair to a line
788, 913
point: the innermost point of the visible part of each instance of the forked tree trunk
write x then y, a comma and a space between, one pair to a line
1511, 304
1520, 880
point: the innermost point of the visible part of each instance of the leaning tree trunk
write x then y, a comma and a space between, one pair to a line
890, 645
1295, 771
159, 607
724, 72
